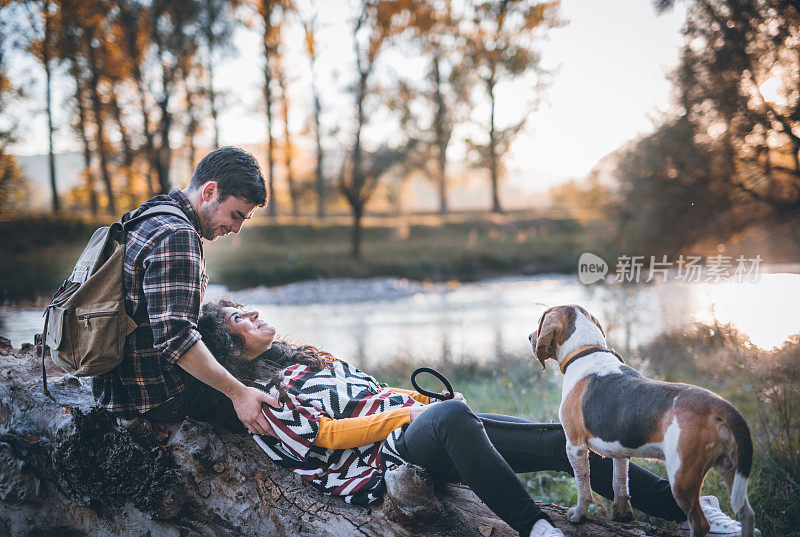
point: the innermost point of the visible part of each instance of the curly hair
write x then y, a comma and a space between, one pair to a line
227, 347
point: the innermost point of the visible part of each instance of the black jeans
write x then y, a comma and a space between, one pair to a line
487, 450
198, 401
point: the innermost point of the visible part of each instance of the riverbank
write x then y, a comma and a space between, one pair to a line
763, 384
38, 253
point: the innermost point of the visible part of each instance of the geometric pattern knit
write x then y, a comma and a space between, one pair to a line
342, 391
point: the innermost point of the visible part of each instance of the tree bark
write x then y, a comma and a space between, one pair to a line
358, 215
294, 192
148, 134
320, 179
100, 137
163, 154
266, 14
440, 130
212, 100
496, 208
80, 100
127, 149
70, 469
48, 75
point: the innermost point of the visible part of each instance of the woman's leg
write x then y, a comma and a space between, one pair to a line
449, 441
533, 447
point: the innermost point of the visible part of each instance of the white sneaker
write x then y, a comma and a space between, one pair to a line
543, 528
721, 524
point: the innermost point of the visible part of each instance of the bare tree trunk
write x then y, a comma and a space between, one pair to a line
320, 179
100, 137
266, 13
310, 30
441, 136
212, 99
127, 150
496, 208
358, 215
68, 469
290, 181
192, 126
148, 134
80, 100
56, 205
163, 152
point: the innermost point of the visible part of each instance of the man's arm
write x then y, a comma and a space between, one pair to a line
173, 288
201, 364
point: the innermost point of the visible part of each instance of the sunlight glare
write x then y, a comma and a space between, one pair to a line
754, 309
770, 91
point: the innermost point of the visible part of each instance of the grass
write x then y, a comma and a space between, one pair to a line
39, 252
763, 385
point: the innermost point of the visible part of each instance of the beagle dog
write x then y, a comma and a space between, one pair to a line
611, 409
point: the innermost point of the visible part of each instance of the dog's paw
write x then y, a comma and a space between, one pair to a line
623, 513
575, 515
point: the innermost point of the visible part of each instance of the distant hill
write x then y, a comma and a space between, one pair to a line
36, 167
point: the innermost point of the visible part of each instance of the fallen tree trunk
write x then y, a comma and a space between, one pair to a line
72, 469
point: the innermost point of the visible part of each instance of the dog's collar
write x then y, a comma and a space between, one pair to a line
582, 351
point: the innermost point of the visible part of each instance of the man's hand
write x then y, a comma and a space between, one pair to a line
247, 403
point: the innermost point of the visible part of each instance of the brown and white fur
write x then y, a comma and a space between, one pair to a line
611, 409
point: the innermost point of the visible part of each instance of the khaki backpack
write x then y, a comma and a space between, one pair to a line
86, 323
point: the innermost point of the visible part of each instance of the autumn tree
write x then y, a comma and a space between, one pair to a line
671, 193
442, 93
173, 32
70, 49
133, 21
737, 85
12, 184
288, 146
40, 45
217, 24
271, 14
499, 45
372, 27
310, 28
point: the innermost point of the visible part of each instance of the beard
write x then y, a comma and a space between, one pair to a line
208, 220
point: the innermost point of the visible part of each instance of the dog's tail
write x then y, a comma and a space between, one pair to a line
739, 453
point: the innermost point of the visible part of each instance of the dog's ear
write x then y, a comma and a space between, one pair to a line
595, 321
552, 327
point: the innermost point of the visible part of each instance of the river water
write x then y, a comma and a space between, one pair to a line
480, 321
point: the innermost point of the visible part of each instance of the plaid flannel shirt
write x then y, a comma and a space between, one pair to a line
165, 279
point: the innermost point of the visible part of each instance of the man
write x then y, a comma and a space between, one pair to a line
167, 373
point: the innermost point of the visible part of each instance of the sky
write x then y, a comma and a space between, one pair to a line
611, 61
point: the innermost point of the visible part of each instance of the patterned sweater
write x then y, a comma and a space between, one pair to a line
310, 399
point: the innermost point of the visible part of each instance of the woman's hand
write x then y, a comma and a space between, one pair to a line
417, 410
458, 396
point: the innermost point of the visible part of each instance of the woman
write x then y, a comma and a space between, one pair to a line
339, 429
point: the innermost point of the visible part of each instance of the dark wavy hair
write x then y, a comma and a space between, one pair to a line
227, 347
236, 172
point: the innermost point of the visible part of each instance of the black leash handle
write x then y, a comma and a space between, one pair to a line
432, 395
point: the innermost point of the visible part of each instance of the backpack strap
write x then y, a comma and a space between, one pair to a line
152, 211
39, 341
124, 225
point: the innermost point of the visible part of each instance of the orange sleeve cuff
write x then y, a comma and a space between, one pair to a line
348, 433
424, 399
